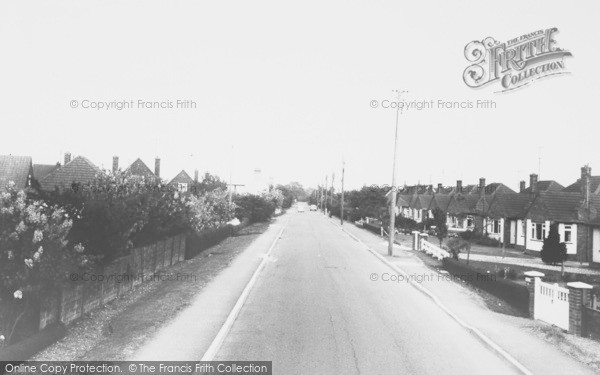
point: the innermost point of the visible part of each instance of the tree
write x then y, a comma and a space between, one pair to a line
209, 183
439, 220
553, 251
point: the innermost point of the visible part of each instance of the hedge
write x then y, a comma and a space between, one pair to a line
198, 242
515, 294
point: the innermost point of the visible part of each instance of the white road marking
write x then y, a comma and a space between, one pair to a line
218, 340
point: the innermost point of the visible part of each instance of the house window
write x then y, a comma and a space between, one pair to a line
495, 226
538, 231
523, 228
568, 233
469, 221
182, 187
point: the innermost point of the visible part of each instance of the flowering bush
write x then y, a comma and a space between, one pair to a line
33, 254
210, 210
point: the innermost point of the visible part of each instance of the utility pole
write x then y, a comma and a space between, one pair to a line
392, 233
342, 200
325, 204
331, 195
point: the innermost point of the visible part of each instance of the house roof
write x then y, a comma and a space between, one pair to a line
139, 168
556, 206
461, 203
497, 187
422, 201
546, 185
576, 187
182, 177
440, 201
15, 168
503, 204
42, 170
79, 170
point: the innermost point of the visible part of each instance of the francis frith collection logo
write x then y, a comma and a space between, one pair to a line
515, 63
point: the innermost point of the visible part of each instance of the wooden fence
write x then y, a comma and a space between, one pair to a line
88, 291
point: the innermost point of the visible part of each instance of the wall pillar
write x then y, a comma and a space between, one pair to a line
416, 241
532, 278
579, 296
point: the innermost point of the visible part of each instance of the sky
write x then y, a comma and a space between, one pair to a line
286, 88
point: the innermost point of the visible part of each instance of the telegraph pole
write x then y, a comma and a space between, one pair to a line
392, 233
325, 204
342, 200
331, 195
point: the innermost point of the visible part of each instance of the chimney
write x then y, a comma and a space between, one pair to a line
533, 180
439, 188
459, 186
522, 186
196, 176
157, 167
115, 165
586, 172
481, 186
67, 157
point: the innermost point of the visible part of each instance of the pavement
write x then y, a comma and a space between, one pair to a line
323, 304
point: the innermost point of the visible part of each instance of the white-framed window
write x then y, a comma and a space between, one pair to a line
538, 231
568, 234
182, 187
523, 228
495, 226
470, 222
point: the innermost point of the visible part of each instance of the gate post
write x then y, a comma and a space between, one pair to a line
579, 295
532, 279
416, 240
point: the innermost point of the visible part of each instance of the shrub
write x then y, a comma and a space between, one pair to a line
257, 208
34, 256
553, 251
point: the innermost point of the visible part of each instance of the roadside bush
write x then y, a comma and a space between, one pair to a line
257, 208
34, 258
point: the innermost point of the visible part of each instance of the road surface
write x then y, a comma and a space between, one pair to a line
315, 309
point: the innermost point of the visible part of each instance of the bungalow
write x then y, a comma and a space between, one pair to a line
182, 182
138, 169
16, 169
77, 171
461, 208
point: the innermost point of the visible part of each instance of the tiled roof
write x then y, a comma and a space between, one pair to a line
79, 170
498, 187
15, 168
42, 170
423, 201
576, 187
461, 203
139, 168
546, 185
440, 201
555, 206
507, 205
182, 177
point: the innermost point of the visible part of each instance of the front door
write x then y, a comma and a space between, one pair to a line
596, 246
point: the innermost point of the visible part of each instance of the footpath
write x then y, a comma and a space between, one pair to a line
522, 338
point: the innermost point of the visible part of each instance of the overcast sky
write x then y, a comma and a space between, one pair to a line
286, 88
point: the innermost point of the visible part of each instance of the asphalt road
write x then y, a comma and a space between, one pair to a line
316, 310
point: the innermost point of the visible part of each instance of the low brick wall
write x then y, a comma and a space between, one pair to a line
89, 291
